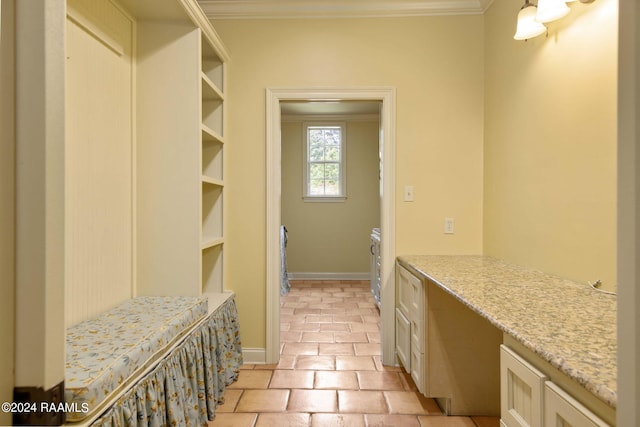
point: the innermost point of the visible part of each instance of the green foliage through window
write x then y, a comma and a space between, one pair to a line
324, 158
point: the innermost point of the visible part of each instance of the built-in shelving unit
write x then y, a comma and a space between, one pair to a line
212, 150
180, 141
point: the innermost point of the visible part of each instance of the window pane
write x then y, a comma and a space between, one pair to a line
324, 154
332, 153
332, 172
316, 171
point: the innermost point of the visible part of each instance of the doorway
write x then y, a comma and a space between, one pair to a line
386, 97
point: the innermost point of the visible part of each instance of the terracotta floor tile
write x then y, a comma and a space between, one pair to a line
330, 371
408, 402
292, 379
306, 310
362, 402
373, 337
347, 319
318, 337
355, 363
367, 349
376, 380
252, 379
306, 348
299, 325
443, 421
340, 349
287, 361
486, 421
342, 380
316, 362
283, 420
351, 337
371, 319
233, 420
322, 306
319, 319
290, 336
272, 400
335, 327
384, 420
335, 420
364, 327
407, 381
231, 398
313, 401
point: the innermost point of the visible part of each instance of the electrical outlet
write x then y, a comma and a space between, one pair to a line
448, 226
408, 193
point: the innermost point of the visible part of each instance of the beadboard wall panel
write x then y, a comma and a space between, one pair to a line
99, 159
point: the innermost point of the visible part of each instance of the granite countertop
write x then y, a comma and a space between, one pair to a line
567, 323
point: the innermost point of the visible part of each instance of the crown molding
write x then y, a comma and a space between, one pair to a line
290, 9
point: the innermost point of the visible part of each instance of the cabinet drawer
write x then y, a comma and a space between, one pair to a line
410, 294
562, 410
521, 391
417, 368
403, 339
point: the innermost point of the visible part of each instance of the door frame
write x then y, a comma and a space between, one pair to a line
387, 97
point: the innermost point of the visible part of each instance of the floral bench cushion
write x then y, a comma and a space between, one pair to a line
103, 352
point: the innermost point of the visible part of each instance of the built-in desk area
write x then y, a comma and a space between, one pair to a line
479, 310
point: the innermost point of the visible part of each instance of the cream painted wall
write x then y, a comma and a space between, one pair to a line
7, 205
550, 142
332, 237
436, 66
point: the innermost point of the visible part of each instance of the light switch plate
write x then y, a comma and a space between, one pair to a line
408, 193
448, 226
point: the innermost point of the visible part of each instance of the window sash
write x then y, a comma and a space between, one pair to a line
324, 161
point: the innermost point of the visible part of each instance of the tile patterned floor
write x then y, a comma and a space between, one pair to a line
330, 372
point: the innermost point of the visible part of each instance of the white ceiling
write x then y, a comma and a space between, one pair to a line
270, 9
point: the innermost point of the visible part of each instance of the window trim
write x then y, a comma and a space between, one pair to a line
342, 163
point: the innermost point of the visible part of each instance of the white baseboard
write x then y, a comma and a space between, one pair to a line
329, 276
254, 356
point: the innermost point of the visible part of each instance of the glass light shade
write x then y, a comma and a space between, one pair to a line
527, 26
550, 10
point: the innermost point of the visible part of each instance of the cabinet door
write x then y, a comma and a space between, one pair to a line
561, 410
417, 368
410, 294
403, 339
521, 391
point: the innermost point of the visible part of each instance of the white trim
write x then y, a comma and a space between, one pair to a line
387, 97
329, 276
293, 9
254, 356
342, 162
294, 118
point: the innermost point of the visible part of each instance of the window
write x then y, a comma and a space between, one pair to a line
324, 157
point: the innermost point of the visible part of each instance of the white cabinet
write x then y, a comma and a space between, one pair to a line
521, 391
180, 139
410, 337
530, 399
403, 339
562, 410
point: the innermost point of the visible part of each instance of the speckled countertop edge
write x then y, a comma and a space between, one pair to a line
566, 323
